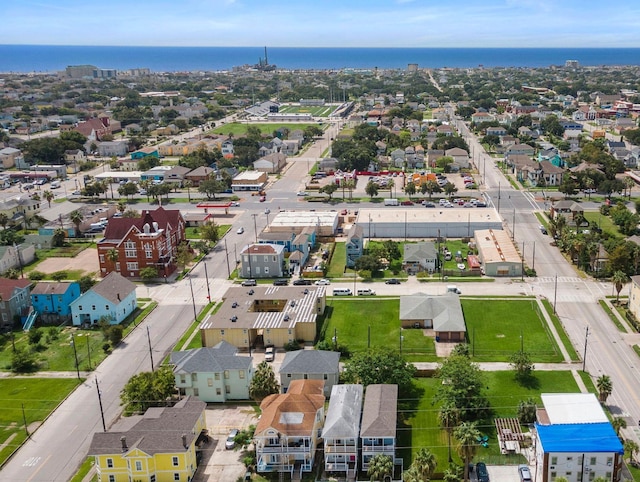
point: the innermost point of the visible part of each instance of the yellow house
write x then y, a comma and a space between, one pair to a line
634, 297
160, 447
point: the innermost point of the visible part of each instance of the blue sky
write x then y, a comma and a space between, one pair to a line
323, 23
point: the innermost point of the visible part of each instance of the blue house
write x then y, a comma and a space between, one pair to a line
52, 300
112, 299
145, 152
551, 155
355, 244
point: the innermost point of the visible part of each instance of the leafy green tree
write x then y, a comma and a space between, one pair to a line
57, 240
425, 463
210, 232
527, 411
329, 189
618, 424
449, 417
467, 435
263, 383
371, 189
9, 237
211, 187
23, 360
188, 184
369, 263
631, 449
86, 282
450, 189
605, 387
379, 366
59, 275
430, 187
380, 466
462, 387
392, 249
128, 189
184, 256
131, 213
148, 273
148, 389
521, 363
410, 189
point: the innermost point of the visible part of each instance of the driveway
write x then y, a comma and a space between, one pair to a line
217, 462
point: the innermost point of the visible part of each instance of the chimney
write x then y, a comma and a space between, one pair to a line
118, 296
184, 440
123, 441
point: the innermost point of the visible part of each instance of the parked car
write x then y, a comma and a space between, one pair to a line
281, 282
235, 204
525, 473
543, 230
249, 282
142, 192
75, 193
240, 231
267, 211
269, 353
301, 282
481, 472
230, 444
301, 193
323, 281
392, 281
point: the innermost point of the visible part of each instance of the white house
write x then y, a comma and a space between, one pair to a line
214, 374
113, 298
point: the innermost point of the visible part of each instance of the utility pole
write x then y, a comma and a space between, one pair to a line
150, 351
193, 301
75, 354
555, 294
104, 427
24, 419
584, 357
226, 252
206, 276
255, 227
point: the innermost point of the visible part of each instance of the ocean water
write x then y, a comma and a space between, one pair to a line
48, 58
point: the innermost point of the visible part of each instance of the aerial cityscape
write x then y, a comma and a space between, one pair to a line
402, 248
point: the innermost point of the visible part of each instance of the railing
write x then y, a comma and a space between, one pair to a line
379, 448
28, 323
340, 449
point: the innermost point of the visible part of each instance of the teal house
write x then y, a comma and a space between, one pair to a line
52, 300
111, 300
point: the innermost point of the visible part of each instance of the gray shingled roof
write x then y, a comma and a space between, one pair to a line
445, 311
210, 360
311, 362
379, 414
51, 288
159, 431
114, 287
343, 414
418, 252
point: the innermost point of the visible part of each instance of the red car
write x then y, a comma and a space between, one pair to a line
406, 203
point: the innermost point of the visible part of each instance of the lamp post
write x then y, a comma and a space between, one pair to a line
75, 354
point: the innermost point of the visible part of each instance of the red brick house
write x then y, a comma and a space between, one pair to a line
151, 240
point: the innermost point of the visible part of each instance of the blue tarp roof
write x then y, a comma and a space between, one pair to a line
579, 437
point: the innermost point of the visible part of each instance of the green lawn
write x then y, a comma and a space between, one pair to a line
315, 111
566, 342
360, 323
498, 328
418, 425
338, 261
240, 129
39, 396
604, 222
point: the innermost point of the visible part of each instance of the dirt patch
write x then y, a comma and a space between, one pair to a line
86, 261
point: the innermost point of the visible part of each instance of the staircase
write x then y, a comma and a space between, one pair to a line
31, 319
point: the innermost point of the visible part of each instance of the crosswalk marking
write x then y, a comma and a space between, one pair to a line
31, 462
561, 279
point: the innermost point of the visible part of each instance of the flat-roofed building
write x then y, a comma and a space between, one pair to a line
497, 253
249, 181
426, 223
265, 315
324, 222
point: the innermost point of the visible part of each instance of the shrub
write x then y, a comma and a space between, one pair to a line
292, 346
35, 335
23, 360
59, 275
149, 273
36, 275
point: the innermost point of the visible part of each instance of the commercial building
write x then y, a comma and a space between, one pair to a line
426, 223
249, 181
265, 315
324, 222
497, 253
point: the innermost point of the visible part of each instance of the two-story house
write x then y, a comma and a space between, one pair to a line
152, 240
14, 300
262, 261
160, 447
421, 256
355, 244
341, 431
215, 374
378, 428
52, 300
112, 300
286, 437
310, 365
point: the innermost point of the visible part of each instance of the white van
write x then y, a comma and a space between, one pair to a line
366, 292
342, 292
55, 184
453, 289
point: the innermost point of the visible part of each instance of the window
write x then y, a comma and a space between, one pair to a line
227, 389
226, 374
609, 461
217, 376
102, 258
117, 266
266, 259
592, 461
209, 382
174, 461
106, 307
152, 478
241, 374
183, 379
93, 307
288, 375
130, 253
218, 391
554, 460
138, 465
196, 392
110, 463
132, 266
221, 332
80, 307
148, 253
306, 376
326, 377
607, 475
5, 317
554, 475
266, 270
112, 478
176, 476
129, 245
194, 377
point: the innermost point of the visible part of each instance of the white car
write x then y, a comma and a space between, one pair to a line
301, 193
235, 204
240, 231
75, 193
323, 281
269, 354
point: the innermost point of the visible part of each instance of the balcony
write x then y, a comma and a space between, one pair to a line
340, 449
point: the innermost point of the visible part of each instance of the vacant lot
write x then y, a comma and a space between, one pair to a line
38, 396
85, 262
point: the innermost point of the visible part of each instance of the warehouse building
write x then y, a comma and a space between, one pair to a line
497, 253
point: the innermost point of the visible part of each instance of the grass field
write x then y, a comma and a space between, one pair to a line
604, 222
498, 328
39, 396
362, 323
315, 111
338, 261
418, 415
238, 129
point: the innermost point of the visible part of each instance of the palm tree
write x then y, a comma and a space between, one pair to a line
113, 255
122, 205
588, 184
604, 385
618, 423
467, 435
449, 418
628, 185
425, 463
618, 279
631, 448
188, 184
76, 218
412, 475
48, 196
379, 467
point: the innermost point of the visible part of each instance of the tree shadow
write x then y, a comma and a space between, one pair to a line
529, 381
